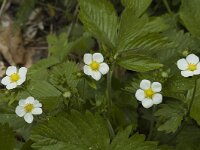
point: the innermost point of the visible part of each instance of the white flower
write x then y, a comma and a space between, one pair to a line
14, 77
94, 65
27, 108
149, 93
189, 66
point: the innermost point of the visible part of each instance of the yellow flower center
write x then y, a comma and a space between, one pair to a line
149, 93
94, 65
14, 77
192, 67
28, 108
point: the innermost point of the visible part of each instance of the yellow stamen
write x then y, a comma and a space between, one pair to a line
28, 108
149, 93
192, 67
14, 77
95, 66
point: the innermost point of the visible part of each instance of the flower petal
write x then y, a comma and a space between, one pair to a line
140, 95
30, 100
87, 58
192, 58
187, 73
28, 118
37, 104
22, 102
145, 84
157, 98
6, 80
96, 75
21, 80
20, 111
37, 111
87, 70
197, 72
98, 57
156, 87
147, 103
22, 71
182, 64
11, 86
104, 68
10, 70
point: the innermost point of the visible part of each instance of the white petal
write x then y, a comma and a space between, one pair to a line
28, 118
147, 103
37, 104
156, 87
96, 75
87, 58
20, 111
87, 70
140, 95
197, 72
104, 68
22, 71
11, 86
6, 80
21, 80
182, 64
98, 57
30, 100
157, 98
10, 70
145, 84
187, 73
37, 111
192, 59
22, 102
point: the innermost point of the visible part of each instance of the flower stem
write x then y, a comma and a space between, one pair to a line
152, 122
109, 90
167, 6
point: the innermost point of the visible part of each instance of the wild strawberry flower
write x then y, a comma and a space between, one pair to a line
189, 66
27, 108
94, 65
14, 77
149, 93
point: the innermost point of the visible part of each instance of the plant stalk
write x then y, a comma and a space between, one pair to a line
109, 90
151, 125
167, 7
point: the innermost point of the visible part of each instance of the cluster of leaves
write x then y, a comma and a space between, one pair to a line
137, 44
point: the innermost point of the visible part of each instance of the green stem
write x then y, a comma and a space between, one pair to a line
151, 124
109, 90
167, 6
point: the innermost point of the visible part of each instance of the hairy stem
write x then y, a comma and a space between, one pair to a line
167, 6
151, 125
109, 90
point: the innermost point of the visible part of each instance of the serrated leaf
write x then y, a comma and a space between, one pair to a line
170, 116
139, 63
190, 14
83, 132
139, 6
195, 109
100, 19
7, 139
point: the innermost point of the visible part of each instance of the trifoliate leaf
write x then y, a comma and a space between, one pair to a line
83, 132
190, 14
170, 116
195, 109
139, 63
7, 137
100, 19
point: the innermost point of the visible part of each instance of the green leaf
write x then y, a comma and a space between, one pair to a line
7, 137
170, 116
100, 19
82, 132
58, 46
190, 15
195, 109
42, 89
138, 6
139, 63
